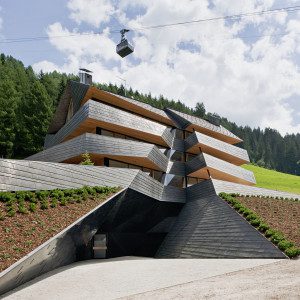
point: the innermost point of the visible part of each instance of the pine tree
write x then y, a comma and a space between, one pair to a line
199, 110
35, 113
8, 121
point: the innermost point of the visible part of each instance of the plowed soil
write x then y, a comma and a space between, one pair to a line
281, 215
22, 233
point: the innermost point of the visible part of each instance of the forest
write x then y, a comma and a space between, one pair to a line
28, 102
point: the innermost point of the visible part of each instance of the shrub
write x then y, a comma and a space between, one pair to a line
292, 252
86, 159
255, 222
22, 209
44, 204
31, 197
20, 195
53, 202
284, 244
277, 237
237, 206
251, 216
7, 197
263, 227
42, 195
269, 232
57, 194
63, 201
11, 213
247, 212
32, 206
69, 193
90, 190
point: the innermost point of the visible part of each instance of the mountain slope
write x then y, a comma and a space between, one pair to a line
274, 180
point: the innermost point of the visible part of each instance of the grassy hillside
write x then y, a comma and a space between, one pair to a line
274, 180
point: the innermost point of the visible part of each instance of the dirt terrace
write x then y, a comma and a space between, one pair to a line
22, 233
282, 215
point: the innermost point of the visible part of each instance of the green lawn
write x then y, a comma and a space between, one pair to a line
274, 180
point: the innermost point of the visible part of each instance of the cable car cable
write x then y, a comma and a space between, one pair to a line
243, 15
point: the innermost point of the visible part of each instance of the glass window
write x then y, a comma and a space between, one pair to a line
117, 164
106, 133
187, 134
119, 136
134, 167
190, 156
179, 134
177, 156
157, 175
191, 181
148, 171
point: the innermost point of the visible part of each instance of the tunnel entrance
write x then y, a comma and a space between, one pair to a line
135, 226
112, 244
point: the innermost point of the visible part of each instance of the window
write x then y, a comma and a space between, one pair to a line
157, 175
179, 134
187, 134
177, 156
117, 164
134, 167
191, 181
190, 156
106, 133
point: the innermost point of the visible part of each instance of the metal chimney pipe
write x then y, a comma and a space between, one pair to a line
85, 77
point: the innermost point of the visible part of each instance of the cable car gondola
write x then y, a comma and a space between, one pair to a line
124, 48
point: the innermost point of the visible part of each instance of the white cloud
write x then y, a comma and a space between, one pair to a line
93, 12
247, 81
84, 44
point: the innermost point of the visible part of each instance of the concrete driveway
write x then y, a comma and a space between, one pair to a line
147, 278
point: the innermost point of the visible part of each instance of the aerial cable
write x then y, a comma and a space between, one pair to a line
237, 16
114, 31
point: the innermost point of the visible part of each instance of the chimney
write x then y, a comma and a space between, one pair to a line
85, 77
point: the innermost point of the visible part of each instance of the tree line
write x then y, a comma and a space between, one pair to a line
28, 102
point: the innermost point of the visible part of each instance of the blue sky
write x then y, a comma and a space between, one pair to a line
251, 80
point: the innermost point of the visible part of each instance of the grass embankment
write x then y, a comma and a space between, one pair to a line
277, 219
28, 219
274, 180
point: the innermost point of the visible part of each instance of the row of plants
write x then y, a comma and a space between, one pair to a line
24, 202
276, 237
266, 197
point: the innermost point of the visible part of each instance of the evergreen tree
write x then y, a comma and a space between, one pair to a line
199, 110
8, 121
35, 113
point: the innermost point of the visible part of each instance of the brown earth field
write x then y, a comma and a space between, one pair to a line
281, 215
22, 233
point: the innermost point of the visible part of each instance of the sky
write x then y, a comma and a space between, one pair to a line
246, 69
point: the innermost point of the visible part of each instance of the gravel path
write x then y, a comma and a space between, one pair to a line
146, 278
